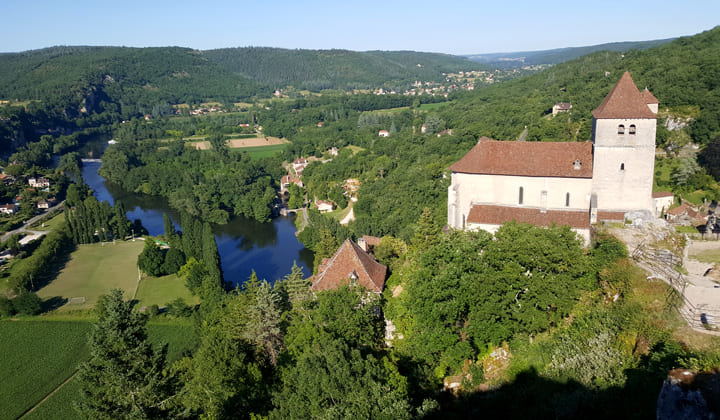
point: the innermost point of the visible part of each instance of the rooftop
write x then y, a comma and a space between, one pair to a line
625, 101
520, 158
496, 215
350, 260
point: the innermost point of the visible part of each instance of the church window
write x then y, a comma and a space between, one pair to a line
520, 196
567, 199
631, 131
621, 129
622, 166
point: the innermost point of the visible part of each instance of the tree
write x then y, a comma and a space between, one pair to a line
125, 376
263, 324
151, 259
174, 259
27, 303
332, 380
298, 288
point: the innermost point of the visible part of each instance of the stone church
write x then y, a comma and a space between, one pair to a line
564, 183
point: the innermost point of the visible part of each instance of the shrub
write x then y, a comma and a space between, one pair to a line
27, 303
6, 307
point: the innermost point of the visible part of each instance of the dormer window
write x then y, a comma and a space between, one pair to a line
577, 165
621, 129
631, 131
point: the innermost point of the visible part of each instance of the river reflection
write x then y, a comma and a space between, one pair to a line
243, 244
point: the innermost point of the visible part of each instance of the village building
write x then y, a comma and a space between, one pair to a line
39, 182
323, 206
299, 165
575, 184
334, 151
384, 133
8, 209
561, 107
349, 265
663, 201
286, 180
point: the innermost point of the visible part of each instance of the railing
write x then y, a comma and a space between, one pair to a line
661, 263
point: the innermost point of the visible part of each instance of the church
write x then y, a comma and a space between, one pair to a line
564, 183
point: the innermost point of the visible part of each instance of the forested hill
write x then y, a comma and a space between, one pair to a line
117, 79
558, 55
682, 74
338, 69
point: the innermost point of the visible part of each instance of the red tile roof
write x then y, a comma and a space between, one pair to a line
497, 215
661, 194
552, 159
624, 101
349, 259
649, 97
611, 215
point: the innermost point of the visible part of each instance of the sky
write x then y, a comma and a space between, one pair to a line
468, 27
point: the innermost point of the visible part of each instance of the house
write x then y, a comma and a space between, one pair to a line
351, 185
333, 151
39, 182
445, 133
384, 133
349, 265
323, 206
299, 165
683, 214
289, 179
574, 184
561, 107
42, 204
368, 243
320, 124
8, 209
663, 201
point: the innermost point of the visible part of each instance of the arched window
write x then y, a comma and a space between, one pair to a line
631, 131
520, 196
567, 199
621, 129
622, 166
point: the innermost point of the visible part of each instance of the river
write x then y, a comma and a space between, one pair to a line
243, 244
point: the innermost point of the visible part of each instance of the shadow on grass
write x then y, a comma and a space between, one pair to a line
53, 303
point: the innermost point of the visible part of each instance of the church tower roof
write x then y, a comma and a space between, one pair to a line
625, 101
649, 97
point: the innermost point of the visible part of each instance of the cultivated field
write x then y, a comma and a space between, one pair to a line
238, 143
37, 356
94, 270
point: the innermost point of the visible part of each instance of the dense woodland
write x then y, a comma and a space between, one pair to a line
584, 326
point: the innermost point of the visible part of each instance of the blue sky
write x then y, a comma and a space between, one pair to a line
420, 25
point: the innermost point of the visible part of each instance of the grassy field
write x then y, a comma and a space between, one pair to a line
433, 107
262, 151
708, 256
40, 355
94, 270
53, 223
162, 290
37, 356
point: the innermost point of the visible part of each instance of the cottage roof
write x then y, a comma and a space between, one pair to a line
349, 259
563, 106
661, 194
649, 97
497, 215
551, 159
624, 101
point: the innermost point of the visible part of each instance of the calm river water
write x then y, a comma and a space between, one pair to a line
244, 244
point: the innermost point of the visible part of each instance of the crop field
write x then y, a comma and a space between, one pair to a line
94, 270
263, 151
255, 142
37, 356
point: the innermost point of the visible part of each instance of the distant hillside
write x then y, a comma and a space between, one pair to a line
124, 80
558, 55
683, 73
337, 69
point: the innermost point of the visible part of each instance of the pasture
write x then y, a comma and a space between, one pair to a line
93, 270
162, 290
